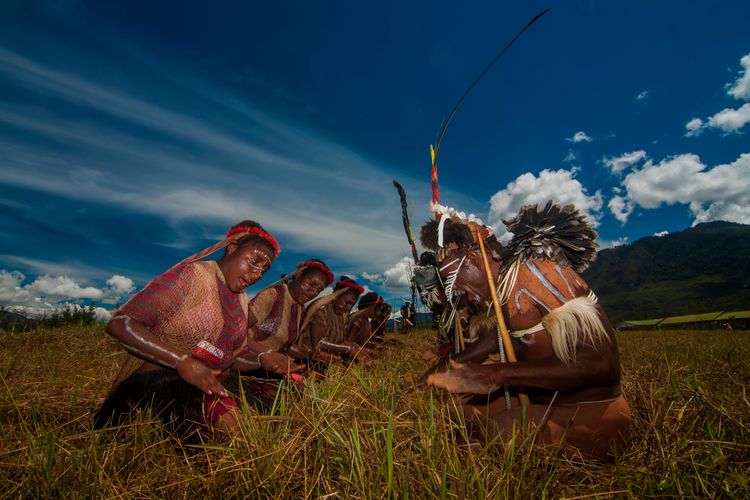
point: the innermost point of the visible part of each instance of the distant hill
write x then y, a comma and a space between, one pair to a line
12, 321
701, 269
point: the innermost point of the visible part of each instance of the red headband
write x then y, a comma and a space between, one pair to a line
317, 265
258, 232
350, 284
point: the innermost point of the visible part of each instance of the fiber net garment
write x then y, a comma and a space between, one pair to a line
358, 327
320, 316
191, 308
334, 326
276, 317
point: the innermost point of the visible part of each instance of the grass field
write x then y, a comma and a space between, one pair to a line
366, 432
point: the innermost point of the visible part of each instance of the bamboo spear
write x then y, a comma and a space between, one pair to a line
504, 334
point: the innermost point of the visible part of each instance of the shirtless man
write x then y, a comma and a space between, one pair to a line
568, 362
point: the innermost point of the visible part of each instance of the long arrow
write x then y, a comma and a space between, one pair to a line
441, 133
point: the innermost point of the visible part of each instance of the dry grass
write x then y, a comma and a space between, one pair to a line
366, 432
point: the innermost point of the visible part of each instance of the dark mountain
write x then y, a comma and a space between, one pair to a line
11, 321
701, 269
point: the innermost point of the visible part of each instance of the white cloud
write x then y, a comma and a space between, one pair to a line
571, 157
117, 287
661, 234
612, 243
719, 193
641, 96
397, 276
619, 163
621, 208
561, 186
694, 127
740, 89
120, 284
63, 287
579, 136
722, 210
374, 277
102, 314
730, 120
47, 294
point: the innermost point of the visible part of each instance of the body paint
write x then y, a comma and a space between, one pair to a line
139, 338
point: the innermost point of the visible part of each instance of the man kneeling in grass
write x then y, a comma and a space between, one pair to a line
565, 385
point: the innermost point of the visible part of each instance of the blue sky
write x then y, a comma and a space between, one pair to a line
135, 133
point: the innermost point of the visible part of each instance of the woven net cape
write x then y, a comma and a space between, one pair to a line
562, 234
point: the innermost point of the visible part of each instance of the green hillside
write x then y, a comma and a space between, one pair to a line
703, 268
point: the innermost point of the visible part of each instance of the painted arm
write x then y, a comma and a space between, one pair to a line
475, 352
299, 352
319, 341
594, 366
268, 359
245, 360
140, 342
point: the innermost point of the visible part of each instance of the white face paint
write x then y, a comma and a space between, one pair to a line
171, 360
263, 258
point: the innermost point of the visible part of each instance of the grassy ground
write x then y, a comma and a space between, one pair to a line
366, 432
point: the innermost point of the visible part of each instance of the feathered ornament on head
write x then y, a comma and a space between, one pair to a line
562, 234
451, 229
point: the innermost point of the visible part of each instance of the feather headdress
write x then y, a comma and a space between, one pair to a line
552, 232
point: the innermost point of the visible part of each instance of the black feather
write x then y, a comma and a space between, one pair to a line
552, 232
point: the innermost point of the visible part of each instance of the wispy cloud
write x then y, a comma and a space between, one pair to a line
579, 136
571, 157
642, 95
621, 208
143, 157
694, 127
740, 88
619, 163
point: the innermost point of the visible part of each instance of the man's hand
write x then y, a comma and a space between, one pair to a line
204, 378
471, 378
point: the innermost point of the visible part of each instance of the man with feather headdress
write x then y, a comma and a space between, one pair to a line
567, 359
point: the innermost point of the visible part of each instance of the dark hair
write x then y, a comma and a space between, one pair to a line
251, 238
453, 232
310, 269
427, 259
367, 300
